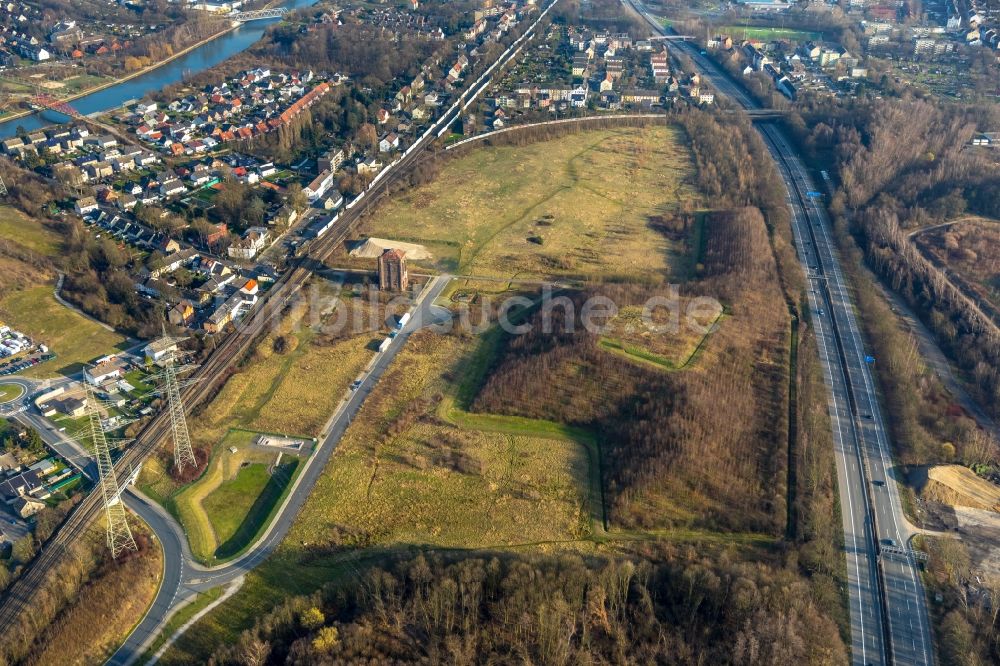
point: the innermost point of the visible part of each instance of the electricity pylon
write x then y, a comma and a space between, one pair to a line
183, 452
120, 536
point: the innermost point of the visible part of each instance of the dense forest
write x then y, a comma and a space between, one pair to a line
498, 608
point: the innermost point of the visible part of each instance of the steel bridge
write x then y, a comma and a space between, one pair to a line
258, 14
45, 101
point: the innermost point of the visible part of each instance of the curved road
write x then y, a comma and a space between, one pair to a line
19, 595
184, 578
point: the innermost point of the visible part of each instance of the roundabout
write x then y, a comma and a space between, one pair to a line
9, 392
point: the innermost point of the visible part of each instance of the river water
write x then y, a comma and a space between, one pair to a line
204, 57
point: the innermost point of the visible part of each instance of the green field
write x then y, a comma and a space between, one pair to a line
74, 338
555, 208
294, 393
138, 379
739, 32
442, 480
180, 618
239, 509
16, 226
418, 470
228, 506
76, 84
28, 304
9, 392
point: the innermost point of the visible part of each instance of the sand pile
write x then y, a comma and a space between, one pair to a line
959, 486
373, 247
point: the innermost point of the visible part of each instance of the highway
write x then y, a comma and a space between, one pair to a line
232, 348
888, 608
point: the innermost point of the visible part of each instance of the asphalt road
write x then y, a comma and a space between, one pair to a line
183, 578
888, 609
19, 595
868, 478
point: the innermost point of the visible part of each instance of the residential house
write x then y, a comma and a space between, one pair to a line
73, 407
160, 349
181, 314
389, 143
641, 97
370, 167
172, 262
85, 205
252, 242
332, 160
102, 372
319, 186
172, 187
25, 507
28, 482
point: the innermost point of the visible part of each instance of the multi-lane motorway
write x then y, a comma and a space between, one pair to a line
869, 496
888, 609
889, 622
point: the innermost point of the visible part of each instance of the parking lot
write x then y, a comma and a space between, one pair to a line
11, 367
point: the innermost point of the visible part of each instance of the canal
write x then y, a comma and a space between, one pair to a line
204, 57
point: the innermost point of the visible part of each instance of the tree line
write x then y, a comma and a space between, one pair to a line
488, 608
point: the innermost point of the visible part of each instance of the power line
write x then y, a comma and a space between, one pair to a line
120, 536
183, 452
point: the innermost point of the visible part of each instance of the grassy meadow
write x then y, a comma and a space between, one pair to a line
71, 336
225, 509
18, 227
403, 476
765, 33
292, 393
419, 469
27, 303
9, 392
578, 205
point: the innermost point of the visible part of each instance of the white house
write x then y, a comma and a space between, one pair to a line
102, 372
85, 205
320, 185
389, 143
253, 241
160, 349
172, 187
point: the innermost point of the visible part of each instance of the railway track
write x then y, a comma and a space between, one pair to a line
229, 352
235, 346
